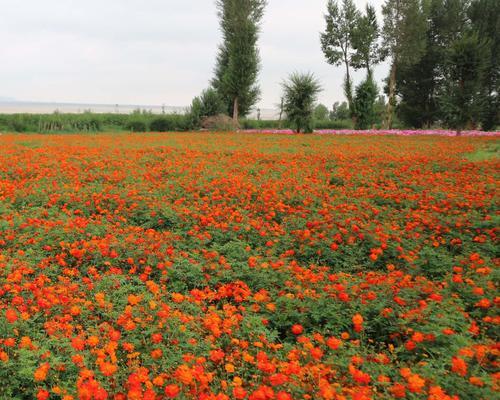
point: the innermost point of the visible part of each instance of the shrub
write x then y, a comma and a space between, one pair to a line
300, 94
166, 123
208, 104
336, 124
260, 124
137, 125
364, 103
219, 122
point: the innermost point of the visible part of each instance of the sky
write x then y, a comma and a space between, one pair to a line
150, 52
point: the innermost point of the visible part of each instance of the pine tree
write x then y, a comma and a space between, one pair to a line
238, 59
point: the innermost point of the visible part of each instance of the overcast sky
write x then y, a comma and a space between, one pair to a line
149, 52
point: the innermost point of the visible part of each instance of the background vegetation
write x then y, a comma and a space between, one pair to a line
137, 122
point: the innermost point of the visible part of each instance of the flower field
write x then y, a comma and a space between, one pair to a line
260, 267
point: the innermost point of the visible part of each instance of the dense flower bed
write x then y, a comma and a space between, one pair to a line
257, 267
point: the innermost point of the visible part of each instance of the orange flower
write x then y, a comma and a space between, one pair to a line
93, 341
133, 299
41, 372
156, 354
172, 391
417, 337
459, 366
398, 391
476, 381
184, 375
357, 319
483, 303
415, 383
11, 315
108, 369
239, 393
75, 310
42, 395
333, 343
297, 329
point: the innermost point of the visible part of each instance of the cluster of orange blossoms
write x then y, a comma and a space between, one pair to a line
251, 267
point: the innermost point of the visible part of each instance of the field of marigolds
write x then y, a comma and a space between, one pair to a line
248, 266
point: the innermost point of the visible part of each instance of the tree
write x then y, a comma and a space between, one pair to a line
238, 59
365, 41
461, 100
420, 84
340, 111
404, 34
300, 92
208, 104
337, 39
321, 112
485, 20
366, 97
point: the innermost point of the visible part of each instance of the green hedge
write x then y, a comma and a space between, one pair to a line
89, 122
136, 122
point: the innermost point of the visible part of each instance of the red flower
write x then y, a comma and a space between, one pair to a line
297, 329
42, 395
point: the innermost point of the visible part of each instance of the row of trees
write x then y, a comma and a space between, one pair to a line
443, 57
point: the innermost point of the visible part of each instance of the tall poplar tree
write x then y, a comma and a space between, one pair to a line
337, 40
366, 41
238, 59
404, 40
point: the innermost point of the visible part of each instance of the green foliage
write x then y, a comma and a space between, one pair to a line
321, 112
337, 39
466, 61
365, 41
340, 111
300, 92
56, 122
259, 124
485, 20
404, 30
491, 152
238, 60
366, 96
208, 104
404, 40
345, 123
138, 121
137, 125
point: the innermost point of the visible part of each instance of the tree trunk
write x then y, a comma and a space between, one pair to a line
392, 94
281, 112
348, 88
235, 110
